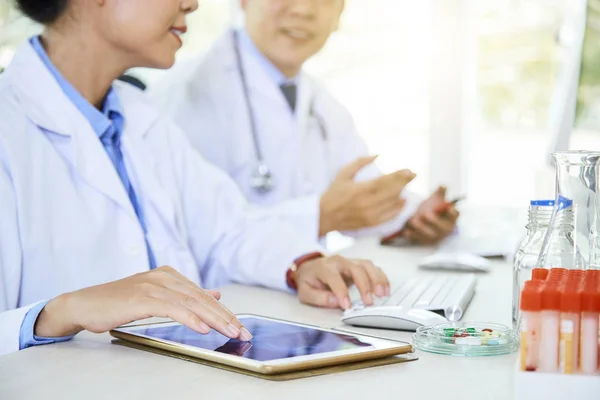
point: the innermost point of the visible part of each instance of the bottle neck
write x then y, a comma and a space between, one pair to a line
541, 217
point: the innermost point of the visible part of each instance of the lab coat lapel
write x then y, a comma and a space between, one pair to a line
139, 119
49, 108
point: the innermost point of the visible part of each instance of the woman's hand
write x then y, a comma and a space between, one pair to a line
162, 292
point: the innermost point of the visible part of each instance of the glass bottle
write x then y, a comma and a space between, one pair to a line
577, 202
526, 257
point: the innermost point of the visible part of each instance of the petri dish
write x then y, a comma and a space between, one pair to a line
469, 339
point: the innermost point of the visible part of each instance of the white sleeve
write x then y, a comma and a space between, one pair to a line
351, 147
11, 317
302, 213
248, 245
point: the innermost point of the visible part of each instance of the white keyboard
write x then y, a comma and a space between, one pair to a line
445, 294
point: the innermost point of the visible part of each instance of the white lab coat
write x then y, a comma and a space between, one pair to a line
67, 223
205, 97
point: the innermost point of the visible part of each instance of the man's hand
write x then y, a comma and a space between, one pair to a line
434, 220
324, 282
162, 292
350, 205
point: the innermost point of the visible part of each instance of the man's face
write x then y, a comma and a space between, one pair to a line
289, 32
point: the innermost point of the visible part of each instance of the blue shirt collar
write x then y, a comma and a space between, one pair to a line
272, 71
100, 121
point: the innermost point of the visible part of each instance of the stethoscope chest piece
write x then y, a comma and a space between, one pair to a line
262, 180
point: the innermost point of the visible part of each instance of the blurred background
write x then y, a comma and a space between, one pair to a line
463, 92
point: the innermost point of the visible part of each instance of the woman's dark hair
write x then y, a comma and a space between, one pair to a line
42, 11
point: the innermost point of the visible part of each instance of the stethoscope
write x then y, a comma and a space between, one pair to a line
261, 179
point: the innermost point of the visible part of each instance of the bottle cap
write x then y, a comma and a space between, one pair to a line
531, 296
576, 277
551, 297
593, 274
539, 274
542, 203
570, 299
557, 273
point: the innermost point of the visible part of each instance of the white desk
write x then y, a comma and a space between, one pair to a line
90, 367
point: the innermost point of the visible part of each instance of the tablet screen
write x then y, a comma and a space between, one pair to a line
272, 340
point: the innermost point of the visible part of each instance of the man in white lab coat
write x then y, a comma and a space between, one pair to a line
249, 108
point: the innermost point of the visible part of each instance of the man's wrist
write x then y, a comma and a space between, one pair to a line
290, 276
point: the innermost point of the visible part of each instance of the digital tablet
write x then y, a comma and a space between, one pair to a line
277, 346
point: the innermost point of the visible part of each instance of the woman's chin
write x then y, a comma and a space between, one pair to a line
162, 61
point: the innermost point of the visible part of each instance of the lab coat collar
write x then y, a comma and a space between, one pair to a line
49, 108
248, 46
259, 81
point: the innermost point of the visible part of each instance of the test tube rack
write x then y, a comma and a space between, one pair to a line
548, 386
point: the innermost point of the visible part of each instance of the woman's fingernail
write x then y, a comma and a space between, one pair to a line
245, 335
333, 301
347, 304
232, 331
380, 291
388, 291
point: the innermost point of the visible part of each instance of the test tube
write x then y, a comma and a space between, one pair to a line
590, 311
550, 327
530, 305
570, 307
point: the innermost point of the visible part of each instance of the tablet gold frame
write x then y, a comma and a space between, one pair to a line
266, 369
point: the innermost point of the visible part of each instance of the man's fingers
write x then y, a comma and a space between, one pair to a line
418, 225
390, 211
316, 297
440, 192
452, 214
389, 186
443, 226
350, 170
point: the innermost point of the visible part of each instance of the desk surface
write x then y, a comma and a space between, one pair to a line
90, 367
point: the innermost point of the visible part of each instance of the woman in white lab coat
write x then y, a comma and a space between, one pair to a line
283, 138
97, 191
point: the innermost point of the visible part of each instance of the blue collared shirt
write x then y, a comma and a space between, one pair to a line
274, 73
108, 126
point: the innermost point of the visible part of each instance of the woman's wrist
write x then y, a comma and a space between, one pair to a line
55, 320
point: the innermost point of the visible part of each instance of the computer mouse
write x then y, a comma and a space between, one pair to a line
456, 261
392, 317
